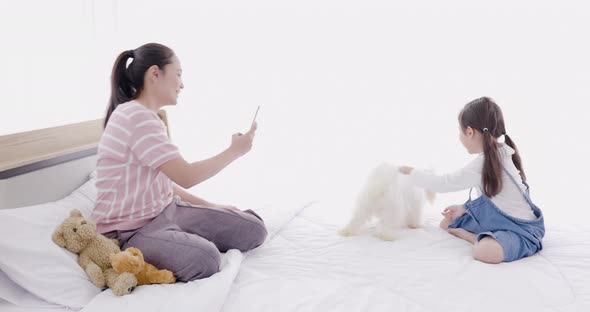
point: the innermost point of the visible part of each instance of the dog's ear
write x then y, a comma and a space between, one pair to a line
58, 237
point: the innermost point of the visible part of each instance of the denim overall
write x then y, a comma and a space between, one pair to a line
519, 238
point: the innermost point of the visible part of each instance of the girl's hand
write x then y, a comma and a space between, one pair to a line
242, 143
405, 169
453, 212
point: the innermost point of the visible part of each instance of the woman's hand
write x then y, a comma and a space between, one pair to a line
405, 169
242, 143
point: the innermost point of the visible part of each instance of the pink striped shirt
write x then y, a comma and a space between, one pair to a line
131, 189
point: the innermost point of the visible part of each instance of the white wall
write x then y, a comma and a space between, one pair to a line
343, 85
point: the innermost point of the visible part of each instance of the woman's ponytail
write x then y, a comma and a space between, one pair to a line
122, 88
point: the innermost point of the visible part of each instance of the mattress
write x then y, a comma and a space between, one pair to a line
306, 266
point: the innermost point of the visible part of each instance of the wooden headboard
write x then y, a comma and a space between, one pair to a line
48, 164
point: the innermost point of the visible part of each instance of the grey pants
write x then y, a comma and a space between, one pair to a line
187, 240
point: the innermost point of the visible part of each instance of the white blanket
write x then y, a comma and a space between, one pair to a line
308, 267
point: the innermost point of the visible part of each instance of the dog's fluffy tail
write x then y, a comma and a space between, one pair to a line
430, 196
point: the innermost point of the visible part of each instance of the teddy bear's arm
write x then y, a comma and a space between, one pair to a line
92, 270
58, 237
156, 276
84, 260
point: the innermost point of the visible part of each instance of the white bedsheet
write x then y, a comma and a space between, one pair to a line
17, 299
6, 306
307, 267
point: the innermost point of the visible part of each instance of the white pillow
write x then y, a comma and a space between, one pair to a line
32, 260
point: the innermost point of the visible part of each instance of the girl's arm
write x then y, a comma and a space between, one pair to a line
462, 179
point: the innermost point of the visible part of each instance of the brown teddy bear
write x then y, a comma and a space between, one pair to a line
79, 236
131, 260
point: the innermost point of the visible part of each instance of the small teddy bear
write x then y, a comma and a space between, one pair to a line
78, 235
131, 260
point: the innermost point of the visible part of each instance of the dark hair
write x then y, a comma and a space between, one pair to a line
127, 81
485, 116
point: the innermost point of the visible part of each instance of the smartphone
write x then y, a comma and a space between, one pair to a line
256, 114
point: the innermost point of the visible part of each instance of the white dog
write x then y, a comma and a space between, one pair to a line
389, 197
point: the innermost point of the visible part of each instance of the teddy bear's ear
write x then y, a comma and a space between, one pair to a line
136, 252
75, 213
58, 237
125, 262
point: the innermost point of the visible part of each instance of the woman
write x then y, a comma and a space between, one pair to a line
141, 199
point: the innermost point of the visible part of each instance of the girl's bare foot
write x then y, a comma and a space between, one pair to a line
444, 223
464, 234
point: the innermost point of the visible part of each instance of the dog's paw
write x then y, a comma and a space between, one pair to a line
386, 236
347, 231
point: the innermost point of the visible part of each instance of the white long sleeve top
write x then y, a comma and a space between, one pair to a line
509, 199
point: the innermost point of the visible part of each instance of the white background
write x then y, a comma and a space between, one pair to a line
343, 85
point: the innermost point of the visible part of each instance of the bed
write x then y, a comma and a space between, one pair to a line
303, 266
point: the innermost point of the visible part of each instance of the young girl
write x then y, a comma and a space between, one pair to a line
142, 176
502, 222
